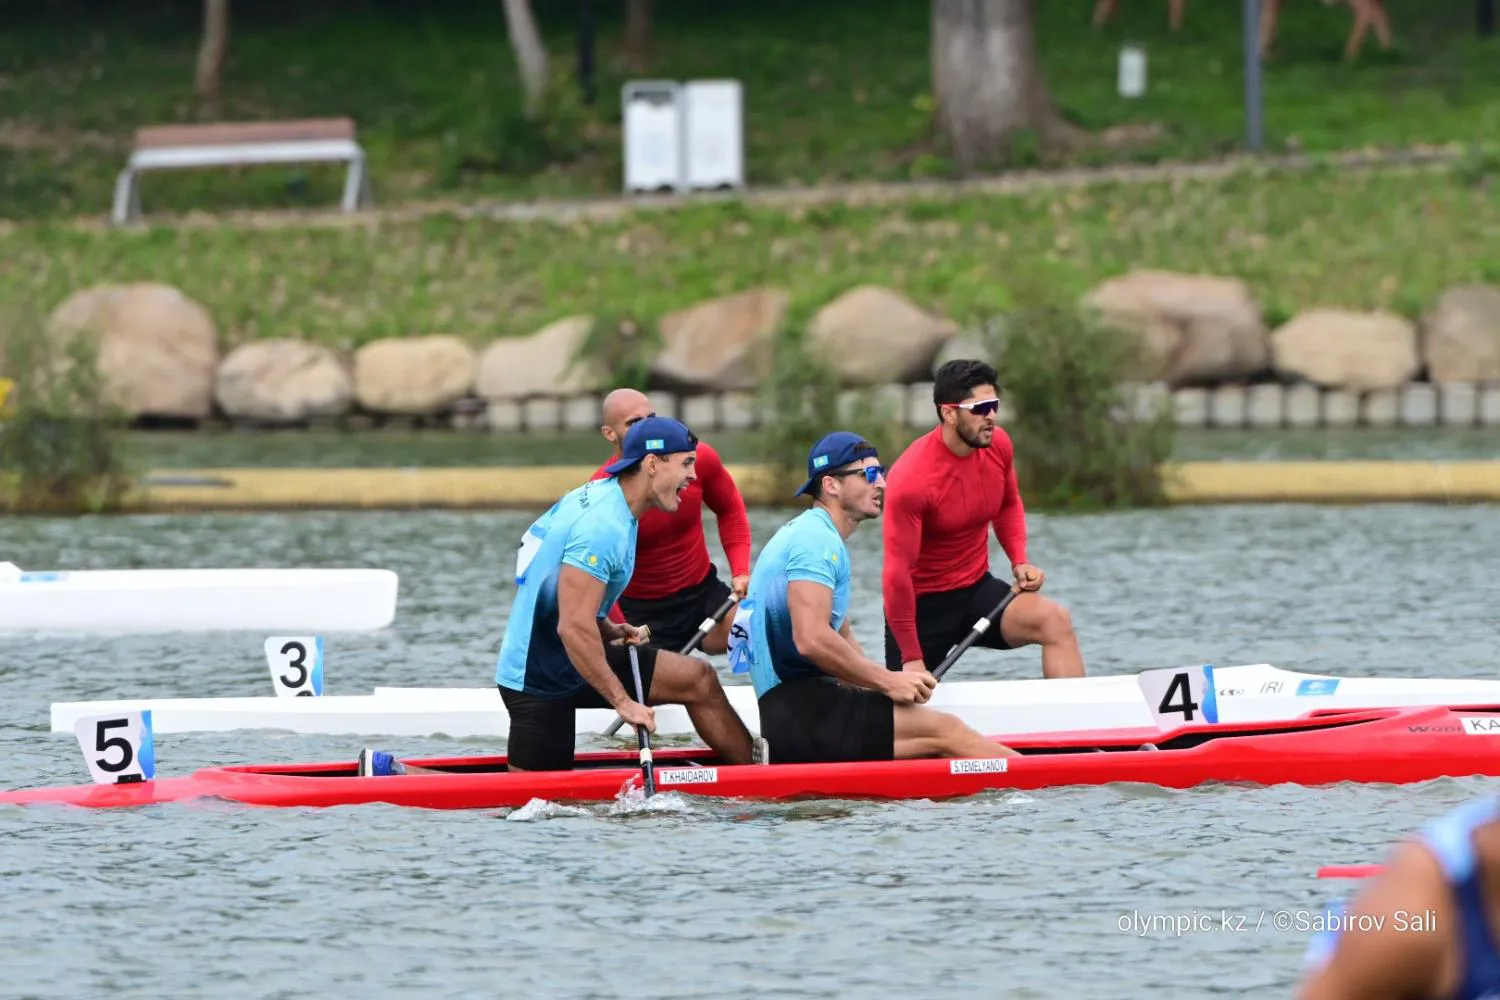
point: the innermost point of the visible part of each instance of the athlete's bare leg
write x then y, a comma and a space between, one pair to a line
692, 683
1033, 619
717, 641
926, 732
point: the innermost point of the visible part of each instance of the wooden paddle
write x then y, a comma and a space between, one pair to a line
648, 771
980, 627
692, 644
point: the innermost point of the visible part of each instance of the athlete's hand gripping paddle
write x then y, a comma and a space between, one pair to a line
692, 644
980, 627
648, 771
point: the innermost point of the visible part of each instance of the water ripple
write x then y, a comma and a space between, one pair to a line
1042, 894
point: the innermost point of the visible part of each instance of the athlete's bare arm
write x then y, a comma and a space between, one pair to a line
848, 635
811, 605
582, 631
1395, 962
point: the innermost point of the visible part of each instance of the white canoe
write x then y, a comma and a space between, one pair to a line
194, 600
1253, 693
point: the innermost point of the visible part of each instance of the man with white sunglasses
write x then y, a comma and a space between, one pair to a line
946, 492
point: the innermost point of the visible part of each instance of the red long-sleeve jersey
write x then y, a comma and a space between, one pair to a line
937, 508
670, 549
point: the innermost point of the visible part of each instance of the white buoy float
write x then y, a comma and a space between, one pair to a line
196, 600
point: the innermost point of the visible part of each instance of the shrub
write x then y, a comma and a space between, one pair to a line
621, 349
799, 402
1084, 438
62, 448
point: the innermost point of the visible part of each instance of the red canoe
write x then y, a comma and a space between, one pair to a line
1378, 745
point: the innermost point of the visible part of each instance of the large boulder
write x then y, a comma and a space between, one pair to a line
1461, 335
965, 346
545, 363
871, 335
723, 343
283, 382
1340, 349
1197, 329
414, 376
158, 350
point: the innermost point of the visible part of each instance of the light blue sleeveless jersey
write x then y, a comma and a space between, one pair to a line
1451, 840
809, 548
592, 529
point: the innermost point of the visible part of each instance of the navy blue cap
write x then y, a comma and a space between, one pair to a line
836, 449
652, 436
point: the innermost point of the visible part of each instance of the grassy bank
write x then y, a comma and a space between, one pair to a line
1360, 240
837, 89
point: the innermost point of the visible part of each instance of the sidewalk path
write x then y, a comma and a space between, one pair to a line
611, 208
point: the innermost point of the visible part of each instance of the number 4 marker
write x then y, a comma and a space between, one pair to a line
1178, 695
118, 748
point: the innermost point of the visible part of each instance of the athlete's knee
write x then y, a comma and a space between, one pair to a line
1054, 622
702, 680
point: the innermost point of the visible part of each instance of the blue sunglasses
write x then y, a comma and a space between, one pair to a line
872, 473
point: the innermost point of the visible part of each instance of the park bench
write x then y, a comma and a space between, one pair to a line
227, 144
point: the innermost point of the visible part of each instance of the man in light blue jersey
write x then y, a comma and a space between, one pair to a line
821, 698
1427, 927
561, 652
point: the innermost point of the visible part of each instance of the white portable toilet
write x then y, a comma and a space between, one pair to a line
653, 135
715, 154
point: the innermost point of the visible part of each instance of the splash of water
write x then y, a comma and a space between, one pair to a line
539, 809
632, 801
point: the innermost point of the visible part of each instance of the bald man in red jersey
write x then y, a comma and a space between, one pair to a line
675, 585
943, 495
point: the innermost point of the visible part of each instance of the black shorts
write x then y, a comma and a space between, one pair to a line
944, 619
818, 719
674, 619
541, 729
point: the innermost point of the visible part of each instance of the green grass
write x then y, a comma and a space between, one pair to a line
837, 89
1361, 240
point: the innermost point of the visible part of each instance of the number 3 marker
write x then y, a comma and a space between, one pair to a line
296, 665
118, 748
1178, 695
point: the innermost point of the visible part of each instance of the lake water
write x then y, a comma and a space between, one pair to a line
1042, 894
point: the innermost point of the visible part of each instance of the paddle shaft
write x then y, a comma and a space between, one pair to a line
980, 627
648, 768
692, 644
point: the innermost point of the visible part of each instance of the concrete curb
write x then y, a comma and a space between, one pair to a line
535, 488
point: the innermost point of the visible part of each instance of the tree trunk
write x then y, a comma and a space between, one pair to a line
986, 79
211, 56
531, 57
638, 35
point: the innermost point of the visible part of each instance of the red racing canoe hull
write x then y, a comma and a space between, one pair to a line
1396, 746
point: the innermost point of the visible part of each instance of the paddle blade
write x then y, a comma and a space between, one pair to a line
1350, 871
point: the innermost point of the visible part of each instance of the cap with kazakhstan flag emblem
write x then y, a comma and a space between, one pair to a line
652, 436
835, 450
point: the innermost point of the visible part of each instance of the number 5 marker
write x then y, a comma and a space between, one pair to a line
118, 748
